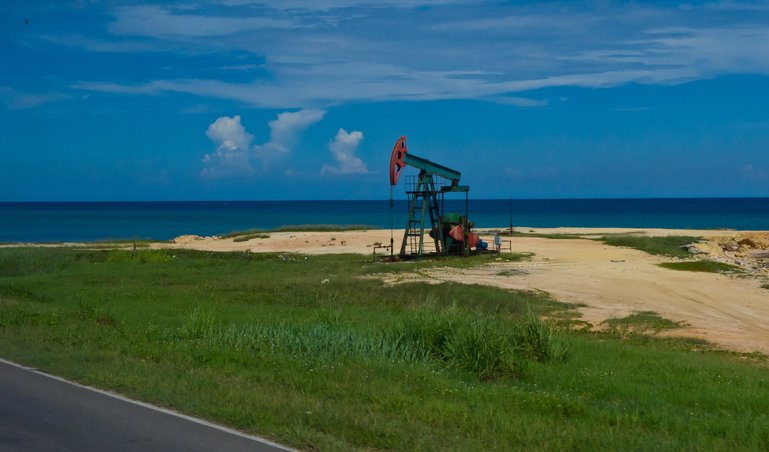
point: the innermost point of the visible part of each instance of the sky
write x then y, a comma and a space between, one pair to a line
304, 99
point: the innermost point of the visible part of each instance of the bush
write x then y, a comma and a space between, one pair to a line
479, 345
537, 339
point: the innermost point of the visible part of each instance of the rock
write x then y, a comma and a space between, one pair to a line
744, 241
748, 244
696, 248
706, 247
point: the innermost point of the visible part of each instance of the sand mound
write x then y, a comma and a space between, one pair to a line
745, 242
182, 239
744, 249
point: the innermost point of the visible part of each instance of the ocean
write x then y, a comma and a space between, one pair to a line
92, 221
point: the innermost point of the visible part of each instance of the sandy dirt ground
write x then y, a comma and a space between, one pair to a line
613, 282
729, 310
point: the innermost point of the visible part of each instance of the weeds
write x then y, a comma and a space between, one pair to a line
447, 261
538, 340
21, 293
702, 266
640, 323
559, 236
663, 246
140, 257
135, 242
509, 272
247, 237
477, 345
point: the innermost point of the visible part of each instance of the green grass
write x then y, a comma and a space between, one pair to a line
247, 237
383, 265
664, 246
641, 323
111, 245
139, 243
261, 343
702, 266
560, 235
541, 235
477, 345
510, 272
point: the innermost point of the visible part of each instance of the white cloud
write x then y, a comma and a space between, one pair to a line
709, 50
18, 100
285, 130
738, 6
343, 148
319, 54
231, 157
158, 22
234, 154
753, 173
325, 5
241, 67
90, 44
520, 101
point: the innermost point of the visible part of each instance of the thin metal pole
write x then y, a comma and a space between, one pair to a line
467, 231
392, 205
511, 214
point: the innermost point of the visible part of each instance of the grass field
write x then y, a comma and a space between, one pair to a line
302, 350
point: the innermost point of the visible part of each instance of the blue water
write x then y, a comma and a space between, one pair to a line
89, 221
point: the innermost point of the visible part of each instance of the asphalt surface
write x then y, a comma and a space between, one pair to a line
40, 412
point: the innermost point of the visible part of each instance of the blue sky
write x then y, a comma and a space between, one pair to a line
304, 99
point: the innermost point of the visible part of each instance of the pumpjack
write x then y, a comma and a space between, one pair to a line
450, 232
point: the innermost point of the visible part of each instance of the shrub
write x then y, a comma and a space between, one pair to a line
537, 339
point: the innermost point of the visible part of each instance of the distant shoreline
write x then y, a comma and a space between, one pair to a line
188, 201
154, 220
376, 233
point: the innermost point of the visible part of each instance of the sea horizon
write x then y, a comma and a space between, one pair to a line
373, 199
71, 221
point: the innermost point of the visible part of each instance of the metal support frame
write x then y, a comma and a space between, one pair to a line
423, 201
423, 204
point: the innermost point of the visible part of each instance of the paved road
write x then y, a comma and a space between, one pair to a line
40, 412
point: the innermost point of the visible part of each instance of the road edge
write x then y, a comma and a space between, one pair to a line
150, 406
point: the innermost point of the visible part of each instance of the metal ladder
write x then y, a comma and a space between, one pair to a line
423, 200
